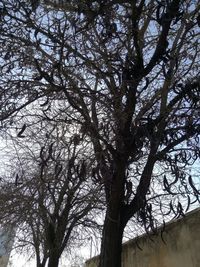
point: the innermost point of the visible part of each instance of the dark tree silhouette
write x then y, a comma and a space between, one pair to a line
128, 74
50, 199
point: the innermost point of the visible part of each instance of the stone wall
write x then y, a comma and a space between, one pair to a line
181, 247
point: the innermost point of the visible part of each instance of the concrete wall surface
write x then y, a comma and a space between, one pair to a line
4, 261
6, 242
181, 247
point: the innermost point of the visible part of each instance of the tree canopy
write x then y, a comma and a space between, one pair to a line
49, 198
125, 75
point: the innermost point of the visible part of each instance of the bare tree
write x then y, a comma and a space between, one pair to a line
128, 72
50, 198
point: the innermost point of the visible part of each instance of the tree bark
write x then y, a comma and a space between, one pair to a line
53, 260
114, 223
40, 263
112, 243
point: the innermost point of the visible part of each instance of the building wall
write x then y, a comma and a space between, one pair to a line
6, 242
181, 247
4, 261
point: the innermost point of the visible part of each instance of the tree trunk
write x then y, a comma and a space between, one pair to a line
40, 263
53, 260
111, 246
